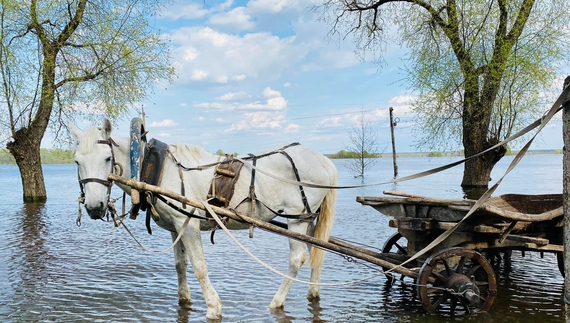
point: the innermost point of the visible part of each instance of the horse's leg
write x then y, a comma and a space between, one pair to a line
314, 290
193, 243
297, 257
181, 262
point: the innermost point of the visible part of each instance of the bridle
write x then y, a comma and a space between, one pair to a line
108, 183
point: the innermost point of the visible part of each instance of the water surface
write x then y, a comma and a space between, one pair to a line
53, 271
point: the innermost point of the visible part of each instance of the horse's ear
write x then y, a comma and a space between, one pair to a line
107, 128
76, 132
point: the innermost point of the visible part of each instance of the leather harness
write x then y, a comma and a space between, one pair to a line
222, 185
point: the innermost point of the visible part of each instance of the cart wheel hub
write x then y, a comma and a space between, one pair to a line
465, 288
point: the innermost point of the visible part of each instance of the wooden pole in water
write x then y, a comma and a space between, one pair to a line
566, 194
393, 143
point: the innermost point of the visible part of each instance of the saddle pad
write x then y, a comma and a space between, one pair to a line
223, 184
151, 168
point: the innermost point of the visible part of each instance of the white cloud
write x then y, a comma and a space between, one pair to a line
185, 11
276, 6
272, 100
258, 120
198, 75
402, 103
209, 56
236, 19
164, 123
232, 96
292, 128
269, 93
331, 121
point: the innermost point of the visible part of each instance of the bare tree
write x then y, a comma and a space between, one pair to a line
363, 145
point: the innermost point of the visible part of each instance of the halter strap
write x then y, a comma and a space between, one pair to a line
110, 142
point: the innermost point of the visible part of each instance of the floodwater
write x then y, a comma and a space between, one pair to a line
53, 271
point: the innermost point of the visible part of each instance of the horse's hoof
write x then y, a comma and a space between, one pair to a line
277, 305
313, 297
184, 303
214, 315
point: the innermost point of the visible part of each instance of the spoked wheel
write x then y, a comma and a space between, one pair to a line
457, 281
397, 244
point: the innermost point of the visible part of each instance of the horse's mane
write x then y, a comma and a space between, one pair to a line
191, 153
88, 140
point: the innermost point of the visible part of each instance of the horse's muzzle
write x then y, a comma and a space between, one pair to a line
97, 212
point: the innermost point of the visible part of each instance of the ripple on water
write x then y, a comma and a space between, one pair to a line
53, 271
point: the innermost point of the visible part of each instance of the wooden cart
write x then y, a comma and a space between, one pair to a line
456, 276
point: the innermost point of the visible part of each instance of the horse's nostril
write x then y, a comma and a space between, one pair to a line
101, 204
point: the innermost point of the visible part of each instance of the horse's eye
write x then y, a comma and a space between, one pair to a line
108, 159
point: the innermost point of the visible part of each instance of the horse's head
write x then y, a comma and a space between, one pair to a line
95, 161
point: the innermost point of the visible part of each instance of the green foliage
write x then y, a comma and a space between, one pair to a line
56, 156
48, 156
435, 154
343, 154
220, 152
6, 157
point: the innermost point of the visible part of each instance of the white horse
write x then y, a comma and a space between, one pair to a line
97, 155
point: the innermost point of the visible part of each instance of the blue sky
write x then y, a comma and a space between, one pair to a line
259, 74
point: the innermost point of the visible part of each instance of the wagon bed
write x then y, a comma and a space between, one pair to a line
514, 221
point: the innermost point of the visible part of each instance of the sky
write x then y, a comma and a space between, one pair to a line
259, 74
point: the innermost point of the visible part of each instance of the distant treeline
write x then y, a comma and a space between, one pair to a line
65, 156
343, 154
49, 156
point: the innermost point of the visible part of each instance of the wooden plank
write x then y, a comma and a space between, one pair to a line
527, 239
423, 224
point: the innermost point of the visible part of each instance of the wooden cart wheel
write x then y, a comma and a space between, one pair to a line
399, 245
456, 281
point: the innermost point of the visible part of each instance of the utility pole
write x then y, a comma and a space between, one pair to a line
392, 125
566, 198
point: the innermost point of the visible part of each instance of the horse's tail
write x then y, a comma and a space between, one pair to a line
324, 225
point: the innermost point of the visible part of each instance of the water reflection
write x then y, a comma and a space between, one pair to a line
474, 193
29, 259
315, 309
281, 316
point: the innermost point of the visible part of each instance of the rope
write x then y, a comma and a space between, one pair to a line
221, 224
180, 234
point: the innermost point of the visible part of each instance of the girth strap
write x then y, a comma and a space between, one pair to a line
303, 196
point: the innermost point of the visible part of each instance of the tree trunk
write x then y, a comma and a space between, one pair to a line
26, 151
476, 120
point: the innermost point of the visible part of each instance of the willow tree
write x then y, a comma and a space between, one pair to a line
478, 67
62, 60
